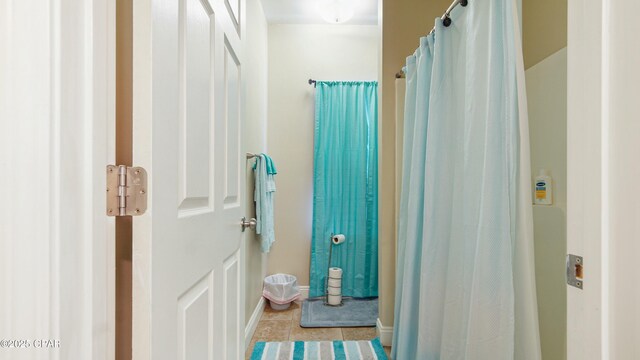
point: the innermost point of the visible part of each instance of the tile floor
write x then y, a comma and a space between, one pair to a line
285, 326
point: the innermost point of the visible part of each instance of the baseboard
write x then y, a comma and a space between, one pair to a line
257, 314
304, 292
385, 333
253, 322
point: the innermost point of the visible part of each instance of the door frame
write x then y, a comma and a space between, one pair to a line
586, 169
602, 197
94, 106
59, 128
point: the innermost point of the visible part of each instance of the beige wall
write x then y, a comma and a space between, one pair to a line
403, 23
545, 57
544, 29
547, 101
255, 140
297, 53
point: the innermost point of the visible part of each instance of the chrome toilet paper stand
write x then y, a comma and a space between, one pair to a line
326, 281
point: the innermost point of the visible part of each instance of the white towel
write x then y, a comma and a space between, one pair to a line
263, 196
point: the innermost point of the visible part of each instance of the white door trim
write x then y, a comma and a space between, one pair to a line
603, 201
586, 168
57, 136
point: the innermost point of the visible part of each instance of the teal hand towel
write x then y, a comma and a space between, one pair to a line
271, 166
263, 196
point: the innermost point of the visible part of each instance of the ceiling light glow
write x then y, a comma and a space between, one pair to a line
337, 11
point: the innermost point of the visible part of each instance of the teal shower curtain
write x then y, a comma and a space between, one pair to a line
345, 199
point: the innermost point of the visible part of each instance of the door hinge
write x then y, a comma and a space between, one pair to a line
126, 190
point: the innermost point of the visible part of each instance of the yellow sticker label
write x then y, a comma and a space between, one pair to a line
541, 194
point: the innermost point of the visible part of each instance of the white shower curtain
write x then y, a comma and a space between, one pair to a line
465, 284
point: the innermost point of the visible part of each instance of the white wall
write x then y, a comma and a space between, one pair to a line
547, 103
255, 140
297, 53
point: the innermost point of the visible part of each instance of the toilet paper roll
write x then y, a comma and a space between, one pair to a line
334, 290
335, 283
338, 239
335, 273
334, 299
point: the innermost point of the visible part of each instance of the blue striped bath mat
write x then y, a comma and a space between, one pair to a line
319, 350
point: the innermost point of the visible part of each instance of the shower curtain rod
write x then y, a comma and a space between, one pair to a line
312, 82
446, 21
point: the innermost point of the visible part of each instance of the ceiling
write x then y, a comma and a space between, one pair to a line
305, 12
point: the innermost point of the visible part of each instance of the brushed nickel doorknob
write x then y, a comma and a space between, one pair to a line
251, 223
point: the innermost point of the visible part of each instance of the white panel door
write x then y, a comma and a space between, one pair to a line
187, 68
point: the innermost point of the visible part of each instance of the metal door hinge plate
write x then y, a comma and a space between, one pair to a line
126, 190
575, 274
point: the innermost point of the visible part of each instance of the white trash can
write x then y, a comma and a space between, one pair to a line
281, 290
